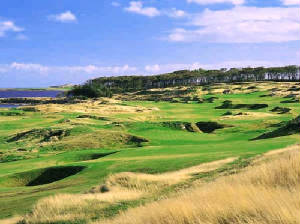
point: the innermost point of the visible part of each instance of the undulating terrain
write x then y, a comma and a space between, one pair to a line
188, 154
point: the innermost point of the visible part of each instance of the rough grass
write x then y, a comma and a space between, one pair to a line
97, 107
69, 208
155, 182
46, 134
68, 139
266, 193
99, 139
246, 115
119, 187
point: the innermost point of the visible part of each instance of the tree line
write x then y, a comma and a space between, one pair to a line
106, 86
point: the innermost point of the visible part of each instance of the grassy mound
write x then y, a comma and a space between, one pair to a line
179, 125
290, 95
206, 127
40, 176
227, 104
44, 135
209, 127
49, 139
136, 140
267, 95
281, 110
228, 113
11, 113
294, 88
210, 99
97, 139
93, 117
290, 128
294, 100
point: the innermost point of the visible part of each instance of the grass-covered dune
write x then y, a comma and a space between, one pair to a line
86, 161
267, 192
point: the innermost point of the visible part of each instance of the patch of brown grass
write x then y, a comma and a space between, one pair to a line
12, 220
150, 183
6, 119
249, 115
282, 88
278, 151
266, 193
71, 207
121, 187
92, 107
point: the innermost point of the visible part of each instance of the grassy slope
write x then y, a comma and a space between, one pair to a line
266, 192
167, 150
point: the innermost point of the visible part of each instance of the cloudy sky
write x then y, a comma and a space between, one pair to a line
53, 42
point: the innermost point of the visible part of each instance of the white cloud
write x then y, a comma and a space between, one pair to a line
116, 4
8, 26
165, 68
65, 17
19, 74
88, 69
175, 13
138, 8
206, 2
152, 68
29, 67
93, 69
180, 35
290, 2
241, 25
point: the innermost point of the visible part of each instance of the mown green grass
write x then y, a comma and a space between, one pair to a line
168, 149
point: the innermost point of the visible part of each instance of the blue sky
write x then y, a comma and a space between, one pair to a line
53, 42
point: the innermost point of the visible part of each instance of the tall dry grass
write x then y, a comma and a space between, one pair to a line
267, 193
121, 187
151, 183
93, 107
74, 207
